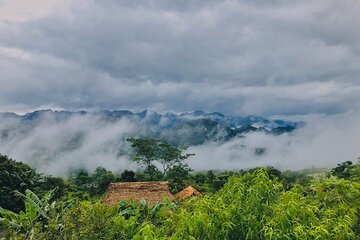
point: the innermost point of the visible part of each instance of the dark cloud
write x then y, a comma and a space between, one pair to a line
250, 57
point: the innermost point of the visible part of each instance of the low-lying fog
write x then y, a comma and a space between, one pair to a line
88, 142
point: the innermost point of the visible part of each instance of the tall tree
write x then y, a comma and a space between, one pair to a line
151, 152
170, 156
146, 151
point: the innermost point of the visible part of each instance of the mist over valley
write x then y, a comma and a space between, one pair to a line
58, 141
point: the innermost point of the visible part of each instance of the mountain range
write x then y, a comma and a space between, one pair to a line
189, 128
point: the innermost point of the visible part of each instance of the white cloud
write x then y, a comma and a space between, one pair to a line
324, 142
81, 142
91, 53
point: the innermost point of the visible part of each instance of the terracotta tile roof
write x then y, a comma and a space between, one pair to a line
152, 192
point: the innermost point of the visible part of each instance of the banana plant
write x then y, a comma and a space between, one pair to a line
24, 221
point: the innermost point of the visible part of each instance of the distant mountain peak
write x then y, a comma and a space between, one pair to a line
218, 114
184, 128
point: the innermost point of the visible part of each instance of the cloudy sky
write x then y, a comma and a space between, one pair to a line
292, 59
238, 57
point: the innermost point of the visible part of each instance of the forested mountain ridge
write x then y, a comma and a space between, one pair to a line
190, 128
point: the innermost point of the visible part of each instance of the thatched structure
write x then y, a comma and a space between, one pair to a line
152, 192
186, 193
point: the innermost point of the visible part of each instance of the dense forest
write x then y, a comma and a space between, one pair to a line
259, 203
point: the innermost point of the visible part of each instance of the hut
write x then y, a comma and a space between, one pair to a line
152, 192
186, 193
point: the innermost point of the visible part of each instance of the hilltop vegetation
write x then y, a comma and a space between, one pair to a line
260, 203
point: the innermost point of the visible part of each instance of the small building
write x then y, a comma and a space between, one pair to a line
152, 192
187, 193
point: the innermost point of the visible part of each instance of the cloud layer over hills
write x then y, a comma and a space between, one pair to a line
55, 142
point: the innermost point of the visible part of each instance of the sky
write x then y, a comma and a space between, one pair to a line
297, 60
240, 57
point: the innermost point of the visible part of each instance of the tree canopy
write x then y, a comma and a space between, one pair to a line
342, 170
152, 152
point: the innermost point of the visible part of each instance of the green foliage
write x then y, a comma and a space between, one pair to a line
17, 176
170, 156
87, 221
235, 212
355, 173
49, 182
177, 176
290, 178
261, 203
87, 184
342, 170
93, 220
324, 210
148, 152
128, 176
101, 179
209, 182
23, 224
